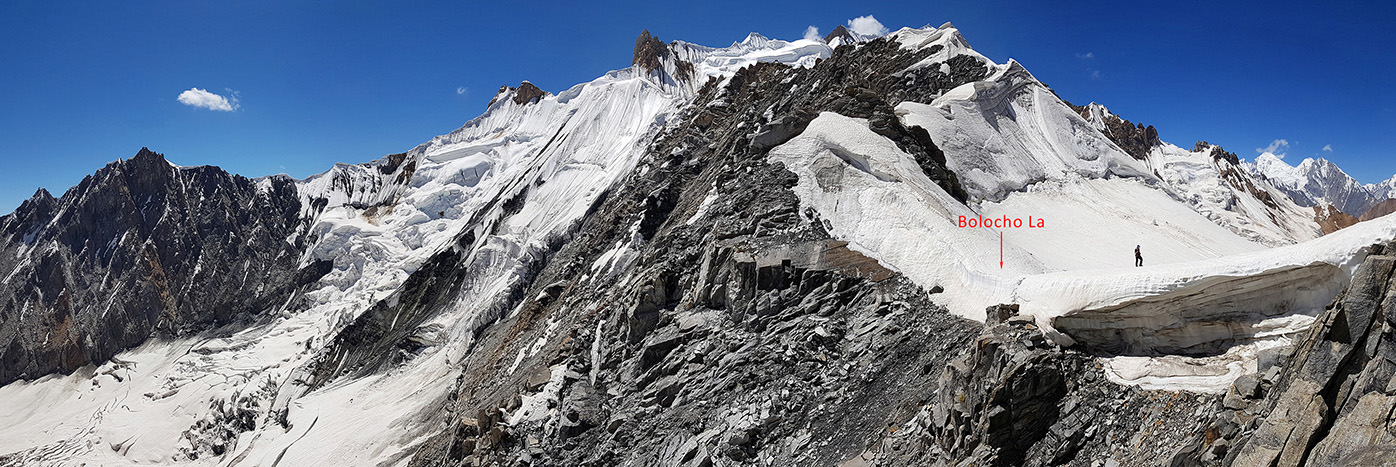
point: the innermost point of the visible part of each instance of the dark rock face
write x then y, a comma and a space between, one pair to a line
1017, 399
141, 248
528, 93
650, 52
1331, 400
743, 334
1135, 138
1238, 179
652, 55
525, 94
1019, 408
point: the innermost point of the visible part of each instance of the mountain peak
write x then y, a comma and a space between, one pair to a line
837, 33
528, 93
42, 201
755, 38
1316, 181
147, 153
145, 158
649, 52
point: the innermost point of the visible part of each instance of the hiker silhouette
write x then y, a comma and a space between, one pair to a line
1138, 258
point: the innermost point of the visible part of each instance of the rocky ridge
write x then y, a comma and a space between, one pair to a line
697, 315
772, 293
1135, 138
139, 249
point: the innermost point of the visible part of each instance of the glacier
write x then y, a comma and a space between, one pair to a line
1235, 267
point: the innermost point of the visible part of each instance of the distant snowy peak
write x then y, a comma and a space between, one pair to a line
1385, 189
842, 35
1315, 182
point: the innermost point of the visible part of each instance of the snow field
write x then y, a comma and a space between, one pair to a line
556, 156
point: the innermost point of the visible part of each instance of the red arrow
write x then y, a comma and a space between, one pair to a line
1000, 249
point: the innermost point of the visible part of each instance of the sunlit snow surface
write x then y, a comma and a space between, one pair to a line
1018, 150
580, 141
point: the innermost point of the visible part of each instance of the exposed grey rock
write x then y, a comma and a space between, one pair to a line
1330, 404
1135, 138
142, 248
746, 335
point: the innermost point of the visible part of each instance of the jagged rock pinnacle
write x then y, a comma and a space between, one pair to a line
146, 153
528, 93
649, 52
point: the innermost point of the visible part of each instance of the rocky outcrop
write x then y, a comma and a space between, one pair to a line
1230, 168
528, 93
1015, 398
1325, 401
1218, 154
1330, 219
1135, 138
700, 316
138, 249
655, 57
650, 52
525, 94
1332, 402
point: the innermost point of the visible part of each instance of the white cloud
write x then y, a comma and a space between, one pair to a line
196, 97
812, 34
1085, 56
867, 26
1095, 75
460, 91
1327, 148
1277, 147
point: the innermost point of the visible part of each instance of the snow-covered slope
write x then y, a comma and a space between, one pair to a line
500, 188
1217, 188
875, 197
1019, 151
1230, 307
465, 221
1008, 132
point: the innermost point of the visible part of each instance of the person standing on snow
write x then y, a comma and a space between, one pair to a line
1138, 258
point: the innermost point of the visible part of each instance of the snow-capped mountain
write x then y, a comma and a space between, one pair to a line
1317, 182
755, 254
1384, 190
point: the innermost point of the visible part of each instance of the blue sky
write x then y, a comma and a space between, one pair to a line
319, 82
